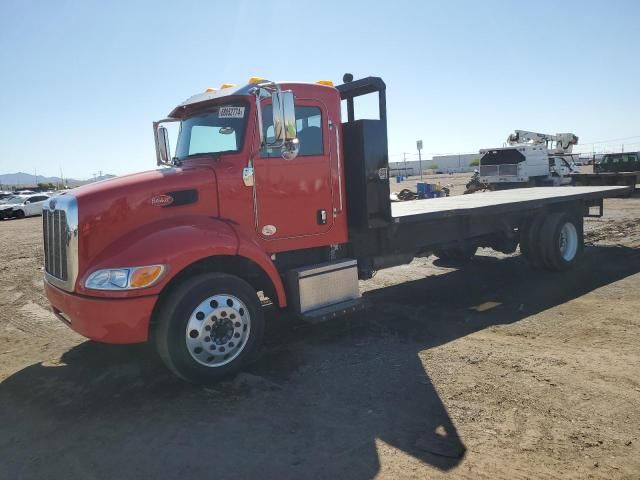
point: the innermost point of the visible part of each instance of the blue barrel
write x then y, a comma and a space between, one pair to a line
398, 178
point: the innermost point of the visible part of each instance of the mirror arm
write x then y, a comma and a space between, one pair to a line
259, 113
285, 115
155, 139
269, 87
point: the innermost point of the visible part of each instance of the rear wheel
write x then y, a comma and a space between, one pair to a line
209, 327
530, 241
562, 241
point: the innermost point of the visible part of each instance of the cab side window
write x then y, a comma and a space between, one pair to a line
308, 126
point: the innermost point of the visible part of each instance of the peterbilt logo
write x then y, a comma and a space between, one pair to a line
161, 200
52, 204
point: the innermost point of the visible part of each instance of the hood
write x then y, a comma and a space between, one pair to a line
109, 209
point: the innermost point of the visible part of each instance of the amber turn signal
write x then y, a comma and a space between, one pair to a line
144, 276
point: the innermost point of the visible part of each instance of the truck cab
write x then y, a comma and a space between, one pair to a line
561, 167
254, 189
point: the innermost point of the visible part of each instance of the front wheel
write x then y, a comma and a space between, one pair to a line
209, 327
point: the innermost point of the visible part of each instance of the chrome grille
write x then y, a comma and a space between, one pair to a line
56, 232
60, 241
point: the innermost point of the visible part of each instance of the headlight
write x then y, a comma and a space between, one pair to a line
129, 278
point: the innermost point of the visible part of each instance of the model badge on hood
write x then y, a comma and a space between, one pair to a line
161, 200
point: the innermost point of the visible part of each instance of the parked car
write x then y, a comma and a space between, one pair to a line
19, 206
619, 162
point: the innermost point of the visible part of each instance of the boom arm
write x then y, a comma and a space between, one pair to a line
564, 142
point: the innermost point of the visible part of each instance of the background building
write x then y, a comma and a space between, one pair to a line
444, 163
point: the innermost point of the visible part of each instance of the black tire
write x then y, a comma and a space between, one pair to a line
458, 255
530, 242
19, 214
180, 307
632, 190
562, 240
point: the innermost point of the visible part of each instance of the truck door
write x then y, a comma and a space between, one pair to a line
294, 197
33, 206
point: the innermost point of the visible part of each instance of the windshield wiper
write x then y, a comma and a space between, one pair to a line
215, 155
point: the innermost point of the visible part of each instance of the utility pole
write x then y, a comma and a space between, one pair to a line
405, 164
419, 145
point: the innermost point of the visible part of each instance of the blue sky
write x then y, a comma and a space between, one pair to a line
82, 81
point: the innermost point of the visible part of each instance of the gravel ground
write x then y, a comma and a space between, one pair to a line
432, 381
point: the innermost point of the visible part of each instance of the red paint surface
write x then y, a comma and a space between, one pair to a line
104, 320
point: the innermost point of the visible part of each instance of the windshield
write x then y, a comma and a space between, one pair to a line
12, 199
220, 129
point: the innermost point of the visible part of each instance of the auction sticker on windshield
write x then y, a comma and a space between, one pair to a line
231, 112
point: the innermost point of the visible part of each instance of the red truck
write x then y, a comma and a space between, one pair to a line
269, 198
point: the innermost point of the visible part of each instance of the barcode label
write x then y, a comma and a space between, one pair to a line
231, 112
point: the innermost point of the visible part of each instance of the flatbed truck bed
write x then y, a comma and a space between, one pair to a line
628, 179
497, 202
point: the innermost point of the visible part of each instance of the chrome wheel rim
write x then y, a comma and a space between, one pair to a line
568, 241
217, 330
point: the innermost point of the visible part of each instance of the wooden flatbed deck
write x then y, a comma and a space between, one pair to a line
486, 203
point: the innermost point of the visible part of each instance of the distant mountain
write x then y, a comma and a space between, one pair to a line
27, 180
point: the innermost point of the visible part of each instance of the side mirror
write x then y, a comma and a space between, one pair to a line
284, 123
163, 151
284, 116
290, 149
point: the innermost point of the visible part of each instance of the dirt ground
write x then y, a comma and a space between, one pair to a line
542, 383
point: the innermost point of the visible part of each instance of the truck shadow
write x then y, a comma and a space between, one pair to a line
321, 401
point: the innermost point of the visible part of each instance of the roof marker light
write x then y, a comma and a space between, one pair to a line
327, 83
211, 89
255, 79
226, 85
